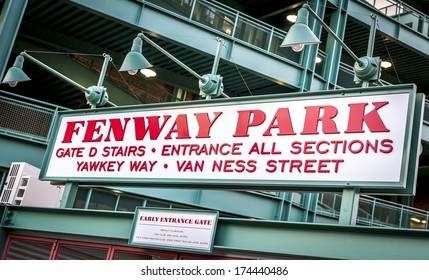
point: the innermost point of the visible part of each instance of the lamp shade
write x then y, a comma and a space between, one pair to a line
15, 73
134, 60
300, 33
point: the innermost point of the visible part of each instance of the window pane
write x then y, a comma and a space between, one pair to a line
102, 200
158, 204
128, 203
80, 200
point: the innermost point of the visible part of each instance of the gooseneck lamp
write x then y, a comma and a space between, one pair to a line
95, 95
210, 85
15, 73
366, 69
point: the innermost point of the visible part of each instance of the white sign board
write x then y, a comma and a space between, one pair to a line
329, 140
179, 229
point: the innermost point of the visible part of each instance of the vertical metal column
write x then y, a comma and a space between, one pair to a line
216, 60
10, 20
350, 199
371, 42
349, 206
69, 195
333, 48
308, 57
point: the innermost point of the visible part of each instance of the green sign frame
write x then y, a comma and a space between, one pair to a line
404, 186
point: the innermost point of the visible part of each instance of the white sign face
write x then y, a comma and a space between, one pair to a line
346, 140
165, 228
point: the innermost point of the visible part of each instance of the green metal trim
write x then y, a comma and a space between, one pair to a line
333, 48
69, 195
301, 240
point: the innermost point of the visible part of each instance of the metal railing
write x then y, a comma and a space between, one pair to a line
403, 13
376, 212
229, 23
26, 118
232, 24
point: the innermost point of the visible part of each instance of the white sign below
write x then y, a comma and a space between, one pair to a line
179, 229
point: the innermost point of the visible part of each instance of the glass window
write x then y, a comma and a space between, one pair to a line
158, 204
102, 200
128, 203
81, 196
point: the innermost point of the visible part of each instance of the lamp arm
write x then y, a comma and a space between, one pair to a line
329, 30
53, 71
153, 44
67, 79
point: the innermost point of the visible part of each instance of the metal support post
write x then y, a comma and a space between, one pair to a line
106, 61
371, 42
349, 206
216, 60
350, 199
10, 19
69, 195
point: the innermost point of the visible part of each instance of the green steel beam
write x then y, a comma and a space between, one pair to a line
17, 150
310, 53
323, 241
10, 20
69, 195
301, 240
69, 221
333, 48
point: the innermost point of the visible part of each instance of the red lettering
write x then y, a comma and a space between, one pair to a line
386, 143
205, 124
246, 119
308, 147
309, 165
93, 127
180, 126
319, 150
284, 123
153, 126
323, 164
337, 163
312, 119
117, 129
296, 146
70, 130
372, 119
357, 149
295, 163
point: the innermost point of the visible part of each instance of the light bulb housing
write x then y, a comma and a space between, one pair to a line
134, 60
300, 33
15, 73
